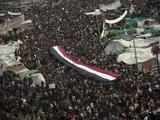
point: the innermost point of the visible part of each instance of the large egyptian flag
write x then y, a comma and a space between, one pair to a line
76, 64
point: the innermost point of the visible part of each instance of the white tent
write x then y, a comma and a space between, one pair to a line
114, 48
9, 61
142, 55
139, 42
112, 6
38, 78
10, 24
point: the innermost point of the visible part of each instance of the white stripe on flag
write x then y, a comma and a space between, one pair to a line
105, 76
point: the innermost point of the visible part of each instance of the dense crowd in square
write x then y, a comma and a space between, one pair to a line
75, 96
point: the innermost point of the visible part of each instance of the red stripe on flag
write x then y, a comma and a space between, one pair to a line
77, 61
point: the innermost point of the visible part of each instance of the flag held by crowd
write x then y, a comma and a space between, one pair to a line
76, 64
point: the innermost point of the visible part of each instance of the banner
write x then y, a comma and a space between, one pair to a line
76, 64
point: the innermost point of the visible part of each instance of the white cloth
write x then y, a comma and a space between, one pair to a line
142, 55
17, 22
117, 20
38, 78
139, 42
114, 48
52, 86
96, 12
112, 6
7, 53
14, 13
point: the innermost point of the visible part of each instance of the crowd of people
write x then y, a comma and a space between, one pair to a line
75, 96
78, 98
